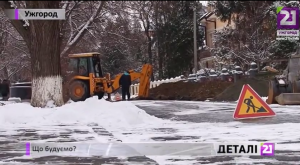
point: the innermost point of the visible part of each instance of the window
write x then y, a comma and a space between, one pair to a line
78, 66
83, 70
73, 66
83, 62
97, 67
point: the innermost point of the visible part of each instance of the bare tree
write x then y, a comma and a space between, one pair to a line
43, 41
144, 11
254, 35
45, 59
79, 22
121, 45
13, 53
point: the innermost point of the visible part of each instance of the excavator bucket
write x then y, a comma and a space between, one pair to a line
284, 95
286, 92
292, 98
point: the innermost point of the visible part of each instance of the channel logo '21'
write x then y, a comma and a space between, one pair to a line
267, 149
288, 18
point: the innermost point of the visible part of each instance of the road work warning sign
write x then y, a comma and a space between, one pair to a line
251, 105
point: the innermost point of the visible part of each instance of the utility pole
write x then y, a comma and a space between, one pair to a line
195, 42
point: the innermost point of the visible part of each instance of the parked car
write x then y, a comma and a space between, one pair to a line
224, 71
201, 77
21, 90
196, 77
238, 70
191, 78
253, 67
213, 74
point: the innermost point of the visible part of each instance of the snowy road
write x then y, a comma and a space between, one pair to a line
96, 121
200, 112
282, 129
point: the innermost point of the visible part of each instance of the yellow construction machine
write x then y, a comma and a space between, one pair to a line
88, 79
285, 89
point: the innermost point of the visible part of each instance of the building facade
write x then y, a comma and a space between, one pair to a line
210, 23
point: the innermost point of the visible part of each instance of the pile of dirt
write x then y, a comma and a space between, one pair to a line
188, 90
232, 93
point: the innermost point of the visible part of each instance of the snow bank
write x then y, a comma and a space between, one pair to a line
120, 114
124, 117
264, 98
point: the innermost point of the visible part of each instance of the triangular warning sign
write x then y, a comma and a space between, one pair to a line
250, 105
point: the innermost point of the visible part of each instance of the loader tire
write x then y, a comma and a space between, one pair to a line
78, 90
273, 92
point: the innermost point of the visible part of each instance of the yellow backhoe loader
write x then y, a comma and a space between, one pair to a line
88, 79
285, 89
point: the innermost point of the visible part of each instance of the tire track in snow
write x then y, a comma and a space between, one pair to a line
100, 131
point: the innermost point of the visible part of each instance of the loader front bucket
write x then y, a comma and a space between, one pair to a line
288, 99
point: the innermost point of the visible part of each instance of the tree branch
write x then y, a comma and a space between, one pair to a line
17, 24
6, 31
83, 30
18, 70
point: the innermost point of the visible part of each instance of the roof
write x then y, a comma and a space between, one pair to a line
206, 15
84, 54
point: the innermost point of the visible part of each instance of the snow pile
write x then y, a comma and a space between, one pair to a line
15, 99
123, 117
263, 98
135, 87
107, 114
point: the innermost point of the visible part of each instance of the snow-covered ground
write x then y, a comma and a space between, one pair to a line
128, 123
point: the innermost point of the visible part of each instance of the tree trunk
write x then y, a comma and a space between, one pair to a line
44, 48
160, 62
149, 49
5, 73
43, 41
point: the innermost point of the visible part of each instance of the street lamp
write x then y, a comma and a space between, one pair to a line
195, 42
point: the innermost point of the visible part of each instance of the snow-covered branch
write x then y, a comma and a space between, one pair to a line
75, 37
253, 38
17, 70
18, 38
14, 6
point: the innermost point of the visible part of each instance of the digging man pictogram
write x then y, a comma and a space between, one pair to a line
249, 103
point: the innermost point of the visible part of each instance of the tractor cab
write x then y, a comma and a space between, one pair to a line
85, 64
